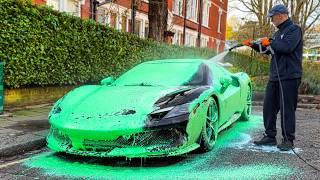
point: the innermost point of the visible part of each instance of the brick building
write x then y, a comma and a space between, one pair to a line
118, 15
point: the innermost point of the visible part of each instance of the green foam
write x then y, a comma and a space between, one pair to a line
53, 165
194, 166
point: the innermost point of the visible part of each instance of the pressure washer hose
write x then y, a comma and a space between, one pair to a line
283, 112
220, 56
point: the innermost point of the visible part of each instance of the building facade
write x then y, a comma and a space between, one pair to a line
183, 18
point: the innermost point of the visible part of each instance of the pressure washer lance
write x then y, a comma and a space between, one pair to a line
220, 57
258, 42
268, 48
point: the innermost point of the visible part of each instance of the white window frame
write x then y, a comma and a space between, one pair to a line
142, 27
135, 26
187, 40
139, 17
191, 37
175, 37
192, 10
120, 23
204, 42
190, 40
119, 11
218, 42
144, 19
108, 19
102, 17
55, 6
206, 13
62, 6
178, 35
177, 7
219, 20
194, 41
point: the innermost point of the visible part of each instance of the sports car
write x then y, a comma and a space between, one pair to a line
158, 108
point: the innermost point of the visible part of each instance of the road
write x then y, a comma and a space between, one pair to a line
234, 157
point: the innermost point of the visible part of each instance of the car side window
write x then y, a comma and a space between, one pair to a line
219, 72
202, 77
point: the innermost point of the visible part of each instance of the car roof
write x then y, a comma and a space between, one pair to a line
188, 71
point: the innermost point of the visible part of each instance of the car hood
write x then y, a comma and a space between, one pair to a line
117, 100
108, 107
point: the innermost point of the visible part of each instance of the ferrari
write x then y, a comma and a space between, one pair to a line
158, 108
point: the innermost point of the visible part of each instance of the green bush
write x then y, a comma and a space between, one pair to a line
43, 47
255, 65
311, 78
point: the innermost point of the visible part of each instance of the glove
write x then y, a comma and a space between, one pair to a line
265, 42
247, 42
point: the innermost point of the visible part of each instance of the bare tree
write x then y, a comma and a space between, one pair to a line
248, 30
303, 12
158, 15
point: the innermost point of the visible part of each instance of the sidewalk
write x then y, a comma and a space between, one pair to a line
23, 130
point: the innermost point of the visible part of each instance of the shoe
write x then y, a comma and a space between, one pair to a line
286, 145
266, 140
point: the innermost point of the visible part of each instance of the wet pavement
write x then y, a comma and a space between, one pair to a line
23, 130
234, 157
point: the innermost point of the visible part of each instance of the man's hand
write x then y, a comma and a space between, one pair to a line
247, 42
265, 41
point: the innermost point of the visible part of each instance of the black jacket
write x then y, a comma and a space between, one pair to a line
287, 44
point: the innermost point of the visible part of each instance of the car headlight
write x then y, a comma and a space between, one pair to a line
178, 111
170, 112
56, 109
169, 116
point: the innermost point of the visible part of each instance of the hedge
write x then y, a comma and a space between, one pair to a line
43, 47
311, 78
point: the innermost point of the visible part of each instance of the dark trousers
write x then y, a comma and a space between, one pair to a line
273, 103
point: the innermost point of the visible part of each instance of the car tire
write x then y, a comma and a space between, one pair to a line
210, 128
245, 116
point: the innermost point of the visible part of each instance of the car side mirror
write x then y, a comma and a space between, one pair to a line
107, 81
225, 82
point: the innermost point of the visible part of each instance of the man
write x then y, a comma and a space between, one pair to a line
286, 65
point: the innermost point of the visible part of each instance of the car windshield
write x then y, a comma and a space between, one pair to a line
162, 74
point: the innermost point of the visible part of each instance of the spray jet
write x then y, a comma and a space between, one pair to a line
263, 44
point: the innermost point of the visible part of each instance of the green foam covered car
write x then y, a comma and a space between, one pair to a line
158, 108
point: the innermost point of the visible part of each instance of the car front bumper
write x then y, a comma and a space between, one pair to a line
153, 143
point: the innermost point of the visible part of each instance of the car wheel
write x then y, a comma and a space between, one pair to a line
209, 131
245, 116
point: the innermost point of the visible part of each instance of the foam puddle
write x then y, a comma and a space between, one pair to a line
195, 166
245, 142
192, 168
